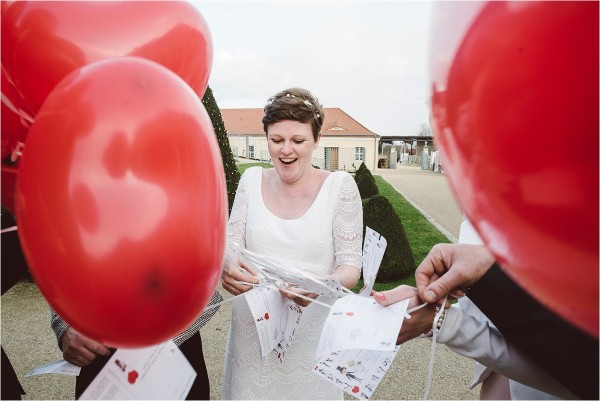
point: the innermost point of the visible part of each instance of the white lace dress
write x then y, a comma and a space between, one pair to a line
329, 234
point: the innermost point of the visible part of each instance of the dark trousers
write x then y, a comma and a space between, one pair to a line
192, 349
11, 388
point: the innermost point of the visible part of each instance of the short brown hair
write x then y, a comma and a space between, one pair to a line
294, 104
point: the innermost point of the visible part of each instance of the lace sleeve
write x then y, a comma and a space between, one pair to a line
348, 225
236, 233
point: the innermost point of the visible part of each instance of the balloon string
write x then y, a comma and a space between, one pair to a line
9, 229
307, 298
289, 292
432, 352
221, 303
416, 308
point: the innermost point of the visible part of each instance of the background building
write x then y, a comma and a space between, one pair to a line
344, 144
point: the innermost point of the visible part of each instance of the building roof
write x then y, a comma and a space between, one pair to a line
249, 122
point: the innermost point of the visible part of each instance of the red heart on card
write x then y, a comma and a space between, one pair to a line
132, 376
355, 389
267, 316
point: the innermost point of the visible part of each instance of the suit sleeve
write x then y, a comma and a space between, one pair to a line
568, 354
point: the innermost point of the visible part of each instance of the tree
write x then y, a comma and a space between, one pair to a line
424, 130
398, 261
232, 175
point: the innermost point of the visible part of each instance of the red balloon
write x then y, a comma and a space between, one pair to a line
121, 202
43, 41
515, 110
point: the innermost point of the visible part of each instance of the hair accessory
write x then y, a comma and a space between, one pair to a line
306, 102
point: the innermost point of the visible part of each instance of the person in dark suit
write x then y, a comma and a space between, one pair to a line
14, 269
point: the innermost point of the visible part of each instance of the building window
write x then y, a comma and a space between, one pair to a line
360, 154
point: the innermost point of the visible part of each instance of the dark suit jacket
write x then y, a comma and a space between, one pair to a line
565, 352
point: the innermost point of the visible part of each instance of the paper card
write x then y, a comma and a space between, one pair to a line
61, 367
275, 316
292, 321
159, 372
359, 322
357, 371
373, 251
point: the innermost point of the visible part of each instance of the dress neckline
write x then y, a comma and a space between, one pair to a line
312, 205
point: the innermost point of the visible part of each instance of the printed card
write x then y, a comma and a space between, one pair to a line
293, 315
356, 371
359, 322
276, 319
61, 367
373, 250
159, 372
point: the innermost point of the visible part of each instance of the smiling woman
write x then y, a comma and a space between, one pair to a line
304, 217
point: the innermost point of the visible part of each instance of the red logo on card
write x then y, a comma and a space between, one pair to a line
267, 316
350, 313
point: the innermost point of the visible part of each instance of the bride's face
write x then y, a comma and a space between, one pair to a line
291, 145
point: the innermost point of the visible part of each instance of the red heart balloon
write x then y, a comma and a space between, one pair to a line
515, 110
43, 41
125, 233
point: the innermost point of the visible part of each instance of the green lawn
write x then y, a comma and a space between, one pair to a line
244, 166
421, 234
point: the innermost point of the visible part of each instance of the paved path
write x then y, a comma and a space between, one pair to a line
429, 192
29, 341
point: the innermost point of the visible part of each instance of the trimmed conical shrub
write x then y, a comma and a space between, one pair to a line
232, 175
398, 261
367, 186
362, 169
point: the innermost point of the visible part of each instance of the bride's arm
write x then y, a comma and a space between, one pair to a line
348, 234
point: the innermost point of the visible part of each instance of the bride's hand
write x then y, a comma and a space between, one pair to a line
291, 292
235, 273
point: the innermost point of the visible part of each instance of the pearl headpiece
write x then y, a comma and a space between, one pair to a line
306, 102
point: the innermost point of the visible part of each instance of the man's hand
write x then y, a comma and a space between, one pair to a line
79, 349
451, 269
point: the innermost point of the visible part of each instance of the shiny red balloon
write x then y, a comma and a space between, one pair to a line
121, 202
515, 112
43, 41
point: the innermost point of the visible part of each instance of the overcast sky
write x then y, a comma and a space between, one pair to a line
368, 58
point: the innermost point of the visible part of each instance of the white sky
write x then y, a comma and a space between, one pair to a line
368, 58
